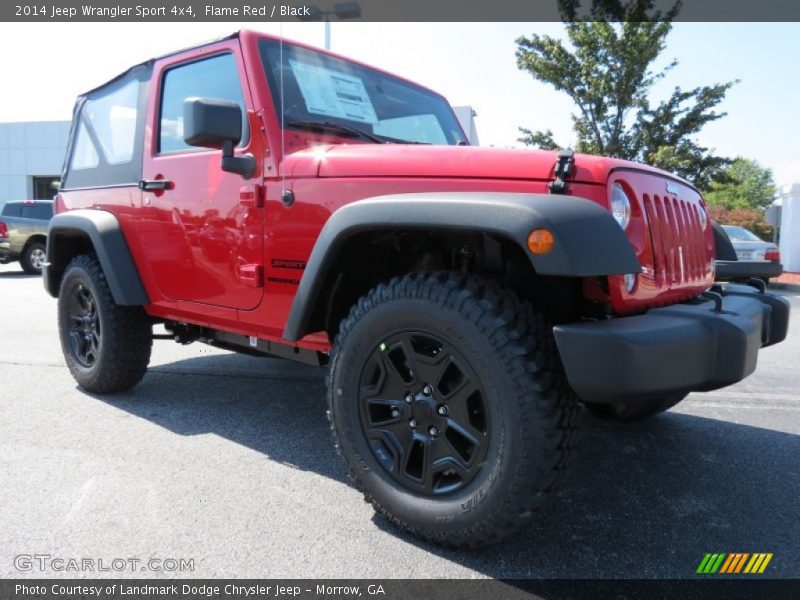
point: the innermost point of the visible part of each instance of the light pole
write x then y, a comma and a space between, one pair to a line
342, 11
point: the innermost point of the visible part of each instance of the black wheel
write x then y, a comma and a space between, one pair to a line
449, 407
631, 413
33, 258
106, 346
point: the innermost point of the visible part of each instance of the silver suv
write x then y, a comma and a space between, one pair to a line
23, 233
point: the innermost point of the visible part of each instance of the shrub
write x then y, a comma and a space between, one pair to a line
749, 218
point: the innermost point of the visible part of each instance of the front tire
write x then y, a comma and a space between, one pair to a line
449, 407
106, 346
33, 258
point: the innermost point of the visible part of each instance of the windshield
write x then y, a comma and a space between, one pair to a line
328, 94
740, 234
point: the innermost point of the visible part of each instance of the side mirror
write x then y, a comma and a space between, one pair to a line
212, 123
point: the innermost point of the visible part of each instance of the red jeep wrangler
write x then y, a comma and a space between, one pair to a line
266, 197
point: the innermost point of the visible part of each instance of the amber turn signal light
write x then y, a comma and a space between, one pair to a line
540, 241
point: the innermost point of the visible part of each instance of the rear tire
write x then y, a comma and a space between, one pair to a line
630, 413
32, 258
106, 346
477, 472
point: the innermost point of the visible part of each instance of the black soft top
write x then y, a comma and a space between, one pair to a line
105, 173
148, 64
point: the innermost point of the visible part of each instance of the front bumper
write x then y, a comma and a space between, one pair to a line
672, 350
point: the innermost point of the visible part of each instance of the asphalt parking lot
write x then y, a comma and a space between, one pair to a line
226, 459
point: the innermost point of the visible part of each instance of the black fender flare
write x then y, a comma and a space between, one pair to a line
108, 241
588, 241
722, 243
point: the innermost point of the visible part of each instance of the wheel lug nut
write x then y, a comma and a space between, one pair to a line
409, 398
443, 410
427, 390
433, 431
413, 423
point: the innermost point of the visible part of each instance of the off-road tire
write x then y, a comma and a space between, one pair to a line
125, 341
533, 414
631, 413
27, 259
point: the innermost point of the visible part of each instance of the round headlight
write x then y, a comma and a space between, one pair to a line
701, 211
620, 206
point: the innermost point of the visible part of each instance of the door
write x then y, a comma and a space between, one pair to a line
200, 242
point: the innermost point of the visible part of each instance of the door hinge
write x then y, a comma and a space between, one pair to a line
565, 164
252, 275
252, 197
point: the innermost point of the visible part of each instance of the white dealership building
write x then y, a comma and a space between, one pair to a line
31, 157
789, 233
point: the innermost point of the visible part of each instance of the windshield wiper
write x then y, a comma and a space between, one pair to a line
336, 128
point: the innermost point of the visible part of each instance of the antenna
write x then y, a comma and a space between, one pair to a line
281, 168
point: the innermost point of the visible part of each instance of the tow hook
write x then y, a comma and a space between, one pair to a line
717, 298
758, 284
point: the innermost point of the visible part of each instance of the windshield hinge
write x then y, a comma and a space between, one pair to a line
565, 164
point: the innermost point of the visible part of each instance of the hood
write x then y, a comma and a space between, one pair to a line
409, 160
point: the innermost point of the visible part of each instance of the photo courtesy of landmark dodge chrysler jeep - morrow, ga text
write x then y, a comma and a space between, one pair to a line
270, 198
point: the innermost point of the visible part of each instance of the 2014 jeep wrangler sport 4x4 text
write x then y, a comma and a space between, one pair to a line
270, 198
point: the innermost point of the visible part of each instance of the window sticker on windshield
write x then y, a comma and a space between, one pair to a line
333, 93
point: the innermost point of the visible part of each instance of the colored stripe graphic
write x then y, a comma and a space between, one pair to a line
729, 562
765, 563
703, 563
741, 562
758, 563
716, 565
711, 562
734, 562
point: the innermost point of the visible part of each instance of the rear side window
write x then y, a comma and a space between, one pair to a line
12, 210
214, 77
85, 155
105, 145
107, 128
41, 211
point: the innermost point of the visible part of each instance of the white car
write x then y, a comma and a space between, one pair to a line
742, 255
749, 246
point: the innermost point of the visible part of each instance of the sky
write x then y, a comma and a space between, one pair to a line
46, 65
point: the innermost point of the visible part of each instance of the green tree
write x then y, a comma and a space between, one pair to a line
608, 73
744, 184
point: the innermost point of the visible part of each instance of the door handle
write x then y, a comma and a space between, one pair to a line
155, 185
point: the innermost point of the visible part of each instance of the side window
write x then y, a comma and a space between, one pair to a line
107, 128
41, 211
12, 210
214, 77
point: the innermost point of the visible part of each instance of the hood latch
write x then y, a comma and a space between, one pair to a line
565, 164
